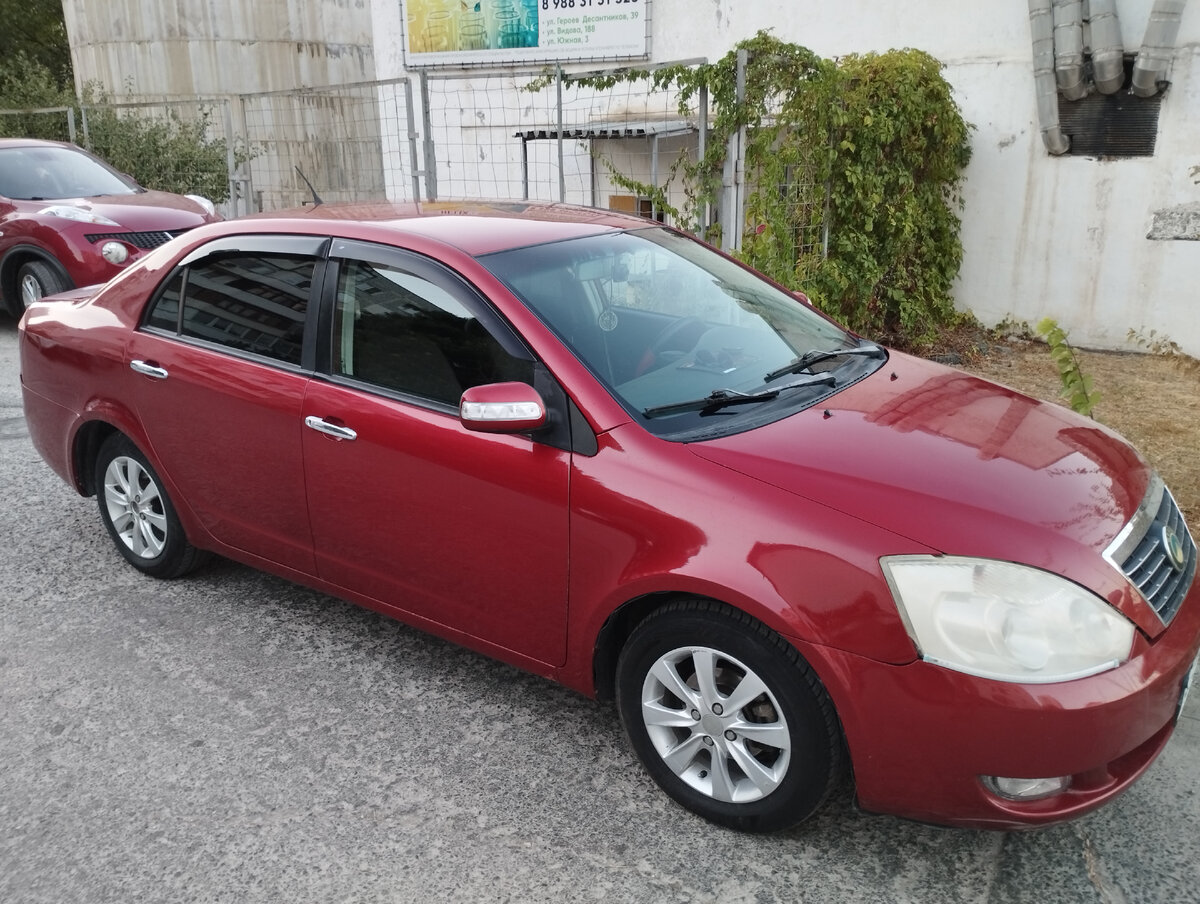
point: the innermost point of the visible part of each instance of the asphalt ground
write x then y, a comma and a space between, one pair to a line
233, 737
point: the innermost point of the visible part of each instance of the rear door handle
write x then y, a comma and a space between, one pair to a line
150, 370
337, 431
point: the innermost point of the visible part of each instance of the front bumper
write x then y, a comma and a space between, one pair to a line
921, 736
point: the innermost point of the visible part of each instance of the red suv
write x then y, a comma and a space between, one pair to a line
68, 219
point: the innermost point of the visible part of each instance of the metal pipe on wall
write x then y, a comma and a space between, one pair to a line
1041, 26
1108, 53
1157, 46
1068, 49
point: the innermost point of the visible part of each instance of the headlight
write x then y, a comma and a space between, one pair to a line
67, 212
1004, 621
208, 205
114, 252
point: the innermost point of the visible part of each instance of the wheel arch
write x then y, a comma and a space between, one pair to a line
85, 447
623, 621
17, 257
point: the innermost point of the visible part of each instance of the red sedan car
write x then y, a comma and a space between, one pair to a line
598, 449
68, 219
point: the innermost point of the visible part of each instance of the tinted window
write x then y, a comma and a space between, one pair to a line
252, 303
402, 332
165, 314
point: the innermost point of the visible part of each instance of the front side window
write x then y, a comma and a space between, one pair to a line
254, 303
403, 332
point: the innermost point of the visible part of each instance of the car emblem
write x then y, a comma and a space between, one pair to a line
1174, 548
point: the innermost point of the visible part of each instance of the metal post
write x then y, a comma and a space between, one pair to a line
230, 160
429, 147
654, 174
87, 139
592, 176
562, 176
71, 124
253, 198
702, 149
738, 224
414, 165
524, 167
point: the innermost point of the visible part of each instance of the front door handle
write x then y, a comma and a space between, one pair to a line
150, 370
337, 431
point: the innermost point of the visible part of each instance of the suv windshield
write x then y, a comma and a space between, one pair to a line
689, 342
54, 173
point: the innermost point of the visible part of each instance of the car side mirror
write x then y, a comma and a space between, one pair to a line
804, 298
502, 408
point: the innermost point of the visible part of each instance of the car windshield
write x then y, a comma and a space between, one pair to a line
691, 343
54, 173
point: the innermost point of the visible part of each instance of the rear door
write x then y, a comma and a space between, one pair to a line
219, 373
465, 530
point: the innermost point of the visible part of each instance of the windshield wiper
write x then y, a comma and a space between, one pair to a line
808, 359
720, 398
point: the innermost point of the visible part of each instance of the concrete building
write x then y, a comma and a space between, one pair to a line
1104, 244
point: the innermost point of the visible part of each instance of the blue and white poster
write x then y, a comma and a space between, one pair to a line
474, 32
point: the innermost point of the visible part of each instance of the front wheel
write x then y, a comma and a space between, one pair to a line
138, 514
727, 717
36, 280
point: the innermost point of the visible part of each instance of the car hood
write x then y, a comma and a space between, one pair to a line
955, 463
146, 210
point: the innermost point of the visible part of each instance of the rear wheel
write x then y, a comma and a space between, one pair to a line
138, 514
36, 280
727, 717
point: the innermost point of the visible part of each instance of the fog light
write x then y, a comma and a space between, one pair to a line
1026, 788
114, 252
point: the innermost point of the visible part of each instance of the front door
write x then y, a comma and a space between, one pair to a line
467, 531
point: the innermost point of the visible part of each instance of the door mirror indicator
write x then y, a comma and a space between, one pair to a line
502, 408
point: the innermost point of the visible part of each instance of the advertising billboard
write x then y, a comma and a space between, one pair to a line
486, 32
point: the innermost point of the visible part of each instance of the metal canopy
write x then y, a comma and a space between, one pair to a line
646, 128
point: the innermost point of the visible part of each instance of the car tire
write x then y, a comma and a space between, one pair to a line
36, 280
139, 515
764, 763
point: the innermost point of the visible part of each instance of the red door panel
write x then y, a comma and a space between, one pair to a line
226, 431
468, 530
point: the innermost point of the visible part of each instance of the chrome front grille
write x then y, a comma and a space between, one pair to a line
1156, 552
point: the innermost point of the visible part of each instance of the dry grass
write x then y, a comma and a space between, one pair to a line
1152, 400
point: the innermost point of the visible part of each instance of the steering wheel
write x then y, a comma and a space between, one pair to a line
669, 336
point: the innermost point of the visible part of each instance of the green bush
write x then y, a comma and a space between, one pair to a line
882, 138
169, 154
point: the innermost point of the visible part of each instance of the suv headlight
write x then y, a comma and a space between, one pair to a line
67, 212
1004, 621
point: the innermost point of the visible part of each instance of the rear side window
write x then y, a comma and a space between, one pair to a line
253, 303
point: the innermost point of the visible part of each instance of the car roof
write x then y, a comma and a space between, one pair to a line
475, 227
35, 143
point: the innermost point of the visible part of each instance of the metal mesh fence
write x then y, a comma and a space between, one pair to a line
350, 141
473, 133
180, 146
546, 137
57, 123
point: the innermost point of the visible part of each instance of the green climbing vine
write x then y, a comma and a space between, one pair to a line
1077, 386
864, 154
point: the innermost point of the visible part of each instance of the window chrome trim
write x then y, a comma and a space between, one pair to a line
1133, 532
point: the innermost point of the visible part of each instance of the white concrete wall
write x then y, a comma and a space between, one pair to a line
1064, 237
201, 48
